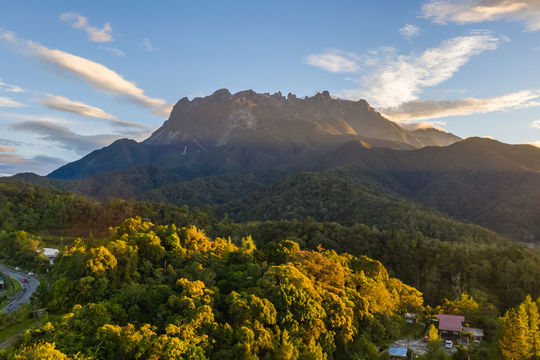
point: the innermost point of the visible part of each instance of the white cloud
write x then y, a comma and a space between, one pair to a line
148, 45
475, 11
409, 31
7, 102
64, 104
81, 22
11, 88
536, 124
116, 52
402, 78
432, 109
96, 74
333, 60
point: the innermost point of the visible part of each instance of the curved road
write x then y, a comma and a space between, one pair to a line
24, 295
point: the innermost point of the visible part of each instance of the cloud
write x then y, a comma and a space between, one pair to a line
6, 149
40, 164
7, 102
12, 159
81, 22
10, 88
409, 31
9, 142
536, 124
76, 107
96, 74
116, 52
533, 143
148, 45
423, 125
475, 11
402, 78
432, 109
65, 138
333, 60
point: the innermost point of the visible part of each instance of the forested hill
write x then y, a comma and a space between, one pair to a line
481, 181
463, 257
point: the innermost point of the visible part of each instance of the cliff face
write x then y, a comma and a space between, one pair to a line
218, 119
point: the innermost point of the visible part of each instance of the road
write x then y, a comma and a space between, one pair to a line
22, 296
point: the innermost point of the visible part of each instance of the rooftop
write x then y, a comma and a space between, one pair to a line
397, 351
450, 322
474, 331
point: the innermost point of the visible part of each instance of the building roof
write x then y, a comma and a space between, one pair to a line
50, 252
474, 331
450, 322
397, 351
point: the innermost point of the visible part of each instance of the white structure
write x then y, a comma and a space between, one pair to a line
50, 254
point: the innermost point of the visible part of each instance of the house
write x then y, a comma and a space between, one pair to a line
476, 335
450, 326
411, 318
50, 254
397, 353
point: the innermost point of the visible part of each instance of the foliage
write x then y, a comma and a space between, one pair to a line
167, 292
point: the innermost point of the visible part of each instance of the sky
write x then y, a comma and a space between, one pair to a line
78, 75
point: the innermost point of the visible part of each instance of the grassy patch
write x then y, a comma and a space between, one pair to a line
27, 323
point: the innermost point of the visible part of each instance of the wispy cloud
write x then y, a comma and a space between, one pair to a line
116, 52
6, 149
96, 74
11, 164
536, 124
81, 22
65, 138
333, 60
432, 109
76, 107
10, 88
402, 78
148, 45
12, 159
475, 11
9, 142
8, 102
409, 31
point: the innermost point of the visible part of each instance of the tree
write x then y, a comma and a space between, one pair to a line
513, 341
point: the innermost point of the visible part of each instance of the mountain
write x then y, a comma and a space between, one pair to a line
276, 129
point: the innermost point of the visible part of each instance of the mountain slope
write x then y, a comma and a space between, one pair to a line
276, 130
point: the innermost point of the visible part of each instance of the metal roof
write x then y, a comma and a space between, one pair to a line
450, 322
474, 331
396, 351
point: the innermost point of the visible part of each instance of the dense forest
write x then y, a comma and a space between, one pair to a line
288, 289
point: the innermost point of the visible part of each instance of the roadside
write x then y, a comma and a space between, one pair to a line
28, 285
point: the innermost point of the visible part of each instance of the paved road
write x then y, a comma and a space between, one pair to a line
25, 294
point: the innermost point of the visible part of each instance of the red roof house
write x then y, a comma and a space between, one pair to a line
450, 323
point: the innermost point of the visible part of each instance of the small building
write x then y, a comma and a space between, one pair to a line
411, 318
397, 353
39, 313
450, 326
476, 335
50, 254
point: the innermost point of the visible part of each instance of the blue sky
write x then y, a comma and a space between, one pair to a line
75, 76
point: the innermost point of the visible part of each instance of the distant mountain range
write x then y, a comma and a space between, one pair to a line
260, 156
